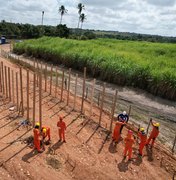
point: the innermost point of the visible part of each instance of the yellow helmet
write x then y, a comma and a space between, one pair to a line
157, 124
44, 130
37, 124
142, 129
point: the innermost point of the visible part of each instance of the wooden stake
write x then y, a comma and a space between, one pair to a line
9, 81
34, 64
92, 95
46, 77
56, 85
102, 102
13, 91
68, 92
51, 78
76, 81
21, 89
0, 80
99, 98
6, 81
34, 94
40, 100
41, 67
113, 109
174, 144
37, 74
2, 71
27, 94
62, 87
129, 112
150, 119
84, 81
17, 98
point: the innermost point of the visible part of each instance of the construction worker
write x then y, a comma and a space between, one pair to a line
123, 117
62, 127
154, 133
116, 133
46, 133
143, 139
37, 137
129, 141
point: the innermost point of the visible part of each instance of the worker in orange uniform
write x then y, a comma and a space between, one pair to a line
129, 141
143, 139
154, 133
62, 127
37, 137
116, 133
46, 133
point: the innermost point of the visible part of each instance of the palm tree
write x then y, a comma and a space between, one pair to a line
80, 8
82, 19
62, 11
42, 16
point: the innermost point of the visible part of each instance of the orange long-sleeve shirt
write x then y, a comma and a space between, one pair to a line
155, 132
36, 134
61, 125
47, 131
129, 142
143, 137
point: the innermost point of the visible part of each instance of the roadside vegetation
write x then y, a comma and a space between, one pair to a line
149, 66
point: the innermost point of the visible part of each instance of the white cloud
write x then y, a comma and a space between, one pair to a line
147, 16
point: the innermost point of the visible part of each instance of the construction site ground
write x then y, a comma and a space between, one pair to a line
88, 152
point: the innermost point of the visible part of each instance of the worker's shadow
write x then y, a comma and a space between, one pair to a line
137, 161
26, 157
52, 149
149, 153
123, 166
112, 147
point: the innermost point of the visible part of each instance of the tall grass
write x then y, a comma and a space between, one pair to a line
149, 66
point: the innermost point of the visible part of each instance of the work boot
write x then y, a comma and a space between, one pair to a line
40, 151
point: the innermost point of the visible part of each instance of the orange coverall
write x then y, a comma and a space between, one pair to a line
116, 133
129, 141
36, 139
47, 134
143, 139
62, 127
153, 135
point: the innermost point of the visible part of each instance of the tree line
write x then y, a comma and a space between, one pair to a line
27, 31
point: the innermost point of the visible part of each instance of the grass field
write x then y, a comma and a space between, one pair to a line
149, 66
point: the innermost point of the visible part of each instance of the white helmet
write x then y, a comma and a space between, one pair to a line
124, 112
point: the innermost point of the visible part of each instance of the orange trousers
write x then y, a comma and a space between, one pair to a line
151, 138
61, 134
141, 147
37, 145
129, 151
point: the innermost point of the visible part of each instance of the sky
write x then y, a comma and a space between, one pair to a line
140, 16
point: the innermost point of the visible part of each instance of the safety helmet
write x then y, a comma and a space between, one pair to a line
37, 124
157, 124
124, 113
44, 130
142, 129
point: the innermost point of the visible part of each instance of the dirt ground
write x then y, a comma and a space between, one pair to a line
88, 152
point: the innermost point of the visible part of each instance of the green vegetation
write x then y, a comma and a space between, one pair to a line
149, 66
27, 31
